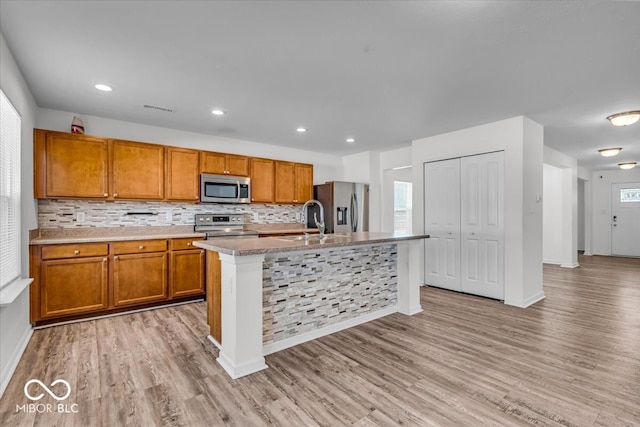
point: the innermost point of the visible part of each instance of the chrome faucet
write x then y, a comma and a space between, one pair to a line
319, 224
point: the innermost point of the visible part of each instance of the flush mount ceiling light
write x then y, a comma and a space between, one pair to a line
610, 152
103, 88
350, 140
217, 112
627, 165
301, 130
624, 119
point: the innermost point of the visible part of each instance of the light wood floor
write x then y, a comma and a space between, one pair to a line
572, 359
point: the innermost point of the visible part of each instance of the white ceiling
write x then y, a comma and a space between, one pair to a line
383, 72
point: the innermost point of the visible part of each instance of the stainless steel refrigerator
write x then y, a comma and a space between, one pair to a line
346, 206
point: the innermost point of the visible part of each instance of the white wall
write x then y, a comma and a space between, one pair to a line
15, 328
522, 141
601, 202
325, 167
567, 186
581, 208
552, 215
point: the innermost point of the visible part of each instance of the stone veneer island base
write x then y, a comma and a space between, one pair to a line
275, 292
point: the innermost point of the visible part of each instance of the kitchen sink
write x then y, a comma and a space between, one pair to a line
315, 237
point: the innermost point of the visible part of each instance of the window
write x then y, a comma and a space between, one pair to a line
402, 207
629, 195
9, 192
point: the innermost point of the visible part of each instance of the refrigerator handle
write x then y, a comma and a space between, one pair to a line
354, 213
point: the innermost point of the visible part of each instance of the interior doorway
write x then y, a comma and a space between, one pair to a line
402, 207
625, 219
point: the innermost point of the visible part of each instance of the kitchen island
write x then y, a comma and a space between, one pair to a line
278, 292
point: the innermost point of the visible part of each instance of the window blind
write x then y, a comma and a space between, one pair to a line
9, 192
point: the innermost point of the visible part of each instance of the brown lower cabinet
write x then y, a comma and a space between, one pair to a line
73, 281
74, 286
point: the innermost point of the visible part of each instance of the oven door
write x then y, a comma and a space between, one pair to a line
224, 189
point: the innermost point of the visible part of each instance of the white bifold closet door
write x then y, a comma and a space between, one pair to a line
442, 223
464, 215
482, 224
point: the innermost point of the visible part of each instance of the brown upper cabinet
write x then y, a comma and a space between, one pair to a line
224, 164
89, 167
262, 180
294, 182
80, 166
137, 170
68, 165
182, 181
304, 182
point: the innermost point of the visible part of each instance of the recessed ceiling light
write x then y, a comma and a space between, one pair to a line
217, 112
350, 140
627, 165
624, 119
103, 88
610, 152
301, 130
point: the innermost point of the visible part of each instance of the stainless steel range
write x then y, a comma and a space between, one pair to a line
222, 225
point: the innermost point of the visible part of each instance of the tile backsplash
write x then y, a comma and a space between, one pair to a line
66, 213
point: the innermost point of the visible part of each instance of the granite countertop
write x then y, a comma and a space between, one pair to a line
240, 247
109, 234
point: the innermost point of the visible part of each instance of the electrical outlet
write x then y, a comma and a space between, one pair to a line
80, 217
169, 217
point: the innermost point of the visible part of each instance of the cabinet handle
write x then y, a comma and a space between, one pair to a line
115, 194
106, 194
116, 258
189, 244
76, 252
202, 252
104, 259
449, 233
141, 247
473, 234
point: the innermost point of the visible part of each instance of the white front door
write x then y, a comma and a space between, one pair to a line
442, 223
482, 225
625, 219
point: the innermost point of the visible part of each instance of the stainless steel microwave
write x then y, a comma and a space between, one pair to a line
224, 189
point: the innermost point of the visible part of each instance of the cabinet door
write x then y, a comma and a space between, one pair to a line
183, 181
262, 181
237, 165
187, 273
215, 163
139, 278
74, 166
73, 286
285, 182
304, 183
138, 170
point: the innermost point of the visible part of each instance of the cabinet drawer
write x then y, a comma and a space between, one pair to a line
181, 244
139, 246
75, 250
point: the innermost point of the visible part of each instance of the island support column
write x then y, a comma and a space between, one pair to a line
409, 277
241, 352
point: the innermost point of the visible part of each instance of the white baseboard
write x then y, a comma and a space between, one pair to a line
14, 360
574, 265
533, 299
550, 261
329, 329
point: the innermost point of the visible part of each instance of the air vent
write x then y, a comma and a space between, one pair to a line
153, 107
